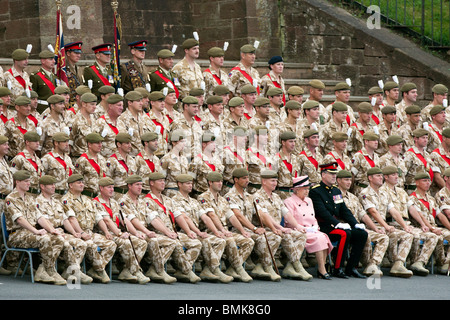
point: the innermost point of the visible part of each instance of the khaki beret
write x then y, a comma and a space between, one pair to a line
310, 104
149, 136
56, 98
46, 54
31, 136
371, 136
295, 91
374, 170
82, 89
156, 176
165, 53
106, 89
133, 178
184, 177
269, 174
394, 139
344, 174
315, 83
61, 89
208, 137
446, 132
339, 106
196, 92
439, 89
260, 101
310, 132
114, 98
214, 99
74, 177
133, 96
273, 91
88, 97
261, 130
436, 109
215, 52
408, 86
235, 101
105, 181
3, 139
341, 86
19, 55
389, 170
420, 132
248, 48
4, 91
33, 94
60, 137
240, 172
123, 137
144, 93
22, 101
21, 175
339, 136
156, 96
365, 107
214, 176
421, 175
239, 131
46, 180
221, 90
93, 137
177, 135
293, 105
388, 109
412, 109
287, 135
375, 90
190, 100
189, 43
248, 88
389, 85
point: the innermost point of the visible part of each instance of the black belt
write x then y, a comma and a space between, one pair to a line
256, 186
410, 186
88, 193
284, 189
362, 185
120, 190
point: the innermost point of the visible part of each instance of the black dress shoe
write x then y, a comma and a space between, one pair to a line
339, 274
325, 276
354, 273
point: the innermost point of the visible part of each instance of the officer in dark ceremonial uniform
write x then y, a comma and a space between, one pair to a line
73, 73
336, 220
133, 73
100, 72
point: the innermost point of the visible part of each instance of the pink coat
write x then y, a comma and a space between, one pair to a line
303, 212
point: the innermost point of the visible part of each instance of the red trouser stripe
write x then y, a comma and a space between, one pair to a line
341, 245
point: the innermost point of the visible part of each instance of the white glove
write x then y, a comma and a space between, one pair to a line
344, 226
312, 229
360, 226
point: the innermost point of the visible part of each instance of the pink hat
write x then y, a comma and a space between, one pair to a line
302, 181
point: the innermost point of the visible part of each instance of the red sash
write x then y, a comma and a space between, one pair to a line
102, 78
426, 204
162, 206
168, 80
150, 164
338, 160
247, 76
447, 159
262, 158
438, 134
93, 164
62, 162
247, 116
375, 118
113, 128
4, 118
33, 118
276, 84
33, 163
213, 167
370, 161
158, 124
425, 163
19, 79
122, 162
288, 165
311, 159
109, 210
197, 118
19, 127
50, 85
214, 76
356, 126
236, 154
170, 119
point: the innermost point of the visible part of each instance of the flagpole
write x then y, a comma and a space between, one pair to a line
117, 36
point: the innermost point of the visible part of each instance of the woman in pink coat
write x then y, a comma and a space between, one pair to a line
301, 217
